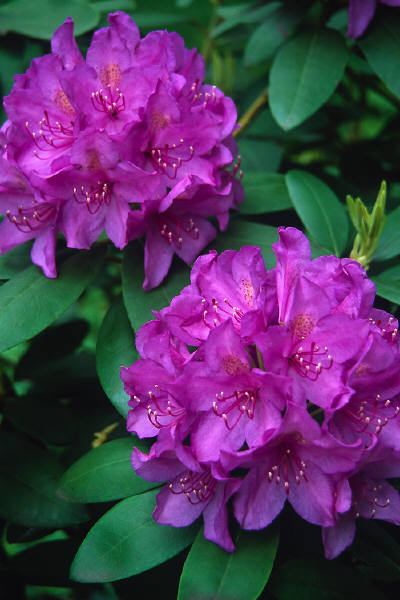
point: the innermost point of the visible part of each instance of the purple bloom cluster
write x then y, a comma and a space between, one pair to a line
129, 140
361, 13
270, 386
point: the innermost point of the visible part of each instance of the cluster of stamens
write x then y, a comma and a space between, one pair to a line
173, 231
288, 463
220, 312
369, 495
168, 159
237, 404
197, 487
203, 98
94, 197
31, 218
390, 331
310, 363
109, 102
161, 411
51, 137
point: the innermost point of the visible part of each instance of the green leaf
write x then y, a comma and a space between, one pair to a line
46, 347
127, 541
139, 304
313, 578
259, 155
321, 212
39, 19
270, 34
241, 233
388, 284
265, 193
238, 14
28, 481
115, 348
105, 473
210, 572
15, 260
304, 74
383, 40
389, 241
29, 302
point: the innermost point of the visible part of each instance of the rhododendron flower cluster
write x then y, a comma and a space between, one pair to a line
129, 140
270, 387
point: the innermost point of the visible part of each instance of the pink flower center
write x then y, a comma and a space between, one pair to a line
389, 329
168, 159
309, 363
32, 218
232, 407
162, 408
197, 487
94, 197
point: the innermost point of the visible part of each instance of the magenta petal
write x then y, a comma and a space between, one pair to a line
339, 537
43, 252
176, 509
63, 44
157, 258
360, 15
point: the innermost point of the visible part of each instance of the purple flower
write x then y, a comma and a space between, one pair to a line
361, 13
128, 140
288, 377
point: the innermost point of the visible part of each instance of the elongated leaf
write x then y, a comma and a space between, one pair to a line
15, 261
105, 473
278, 26
259, 156
115, 348
29, 301
210, 572
139, 303
319, 209
241, 233
39, 19
389, 242
304, 74
265, 193
383, 40
388, 284
28, 481
317, 579
127, 541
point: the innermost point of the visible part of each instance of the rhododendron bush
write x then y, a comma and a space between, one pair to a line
200, 290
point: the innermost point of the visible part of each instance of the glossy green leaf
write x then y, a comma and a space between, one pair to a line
39, 19
127, 540
259, 156
29, 302
210, 572
241, 233
313, 578
139, 304
275, 29
265, 193
321, 212
15, 260
28, 482
115, 348
105, 473
389, 242
239, 14
388, 284
304, 74
381, 41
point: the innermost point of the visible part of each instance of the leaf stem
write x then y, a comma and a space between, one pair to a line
259, 103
